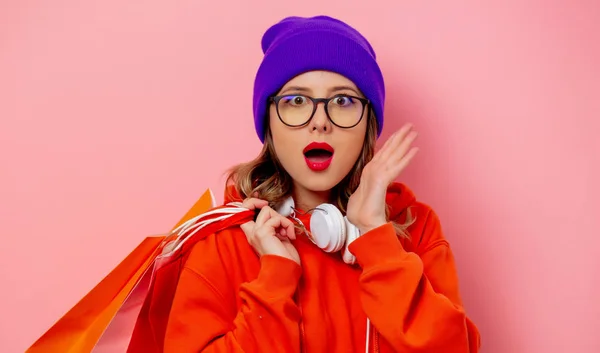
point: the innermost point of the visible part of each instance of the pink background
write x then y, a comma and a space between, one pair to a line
117, 115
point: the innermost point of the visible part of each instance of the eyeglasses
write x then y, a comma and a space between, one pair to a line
343, 110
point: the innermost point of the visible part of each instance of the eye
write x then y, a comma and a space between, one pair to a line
343, 101
294, 100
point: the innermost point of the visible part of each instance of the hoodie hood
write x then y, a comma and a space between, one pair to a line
399, 197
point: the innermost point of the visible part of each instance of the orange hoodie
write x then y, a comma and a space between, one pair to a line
230, 300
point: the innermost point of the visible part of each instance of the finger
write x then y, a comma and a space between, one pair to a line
399, 144
397, 168
254, 203
404, 147
400, 136
281, 237
277, 223
264, 215
247, 228
405, 129
291, 231
286, 227
390, 145
288, 232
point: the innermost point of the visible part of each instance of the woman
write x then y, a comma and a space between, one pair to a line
301, 277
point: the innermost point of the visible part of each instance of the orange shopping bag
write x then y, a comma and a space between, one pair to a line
96, 315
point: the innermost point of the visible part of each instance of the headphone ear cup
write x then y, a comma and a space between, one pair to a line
352, 233
286, 207
328, 228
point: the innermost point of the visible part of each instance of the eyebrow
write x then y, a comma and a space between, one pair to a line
295, 89
334, 89
349, 88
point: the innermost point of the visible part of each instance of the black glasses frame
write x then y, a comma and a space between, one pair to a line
365, 102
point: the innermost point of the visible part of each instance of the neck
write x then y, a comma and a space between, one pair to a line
305, 199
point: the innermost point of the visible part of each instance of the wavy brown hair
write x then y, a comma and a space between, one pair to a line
265, 177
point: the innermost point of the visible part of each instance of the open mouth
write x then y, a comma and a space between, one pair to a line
318, 155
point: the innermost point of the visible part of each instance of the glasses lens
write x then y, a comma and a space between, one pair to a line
295, 110
345, 111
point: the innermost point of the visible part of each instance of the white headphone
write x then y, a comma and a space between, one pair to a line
331, 231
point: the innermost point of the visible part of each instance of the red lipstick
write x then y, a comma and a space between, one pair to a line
318, 156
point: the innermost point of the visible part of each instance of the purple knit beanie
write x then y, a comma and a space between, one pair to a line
297, 44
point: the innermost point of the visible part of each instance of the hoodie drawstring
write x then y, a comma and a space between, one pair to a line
368, 335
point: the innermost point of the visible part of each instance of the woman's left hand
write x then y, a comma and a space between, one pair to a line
366, 207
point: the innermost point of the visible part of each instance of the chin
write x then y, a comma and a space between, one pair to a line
317, 187
319, 182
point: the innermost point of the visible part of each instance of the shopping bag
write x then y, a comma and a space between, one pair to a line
118, 331
81, 328
149, 332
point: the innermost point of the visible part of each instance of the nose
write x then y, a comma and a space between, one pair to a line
320, 122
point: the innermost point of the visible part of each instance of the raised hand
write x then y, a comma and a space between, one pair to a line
366, 207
